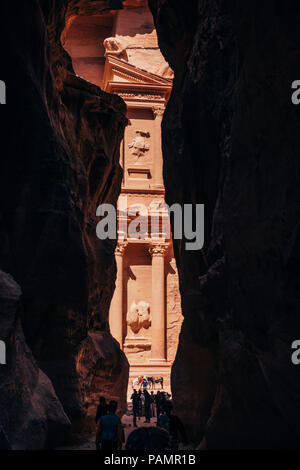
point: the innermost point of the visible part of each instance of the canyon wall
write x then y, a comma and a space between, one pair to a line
61, 137
230, 141
30, 412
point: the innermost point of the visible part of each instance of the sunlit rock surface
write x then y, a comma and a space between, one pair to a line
62, 137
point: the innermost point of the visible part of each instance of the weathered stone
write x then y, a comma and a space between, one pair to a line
30, 412
62, 137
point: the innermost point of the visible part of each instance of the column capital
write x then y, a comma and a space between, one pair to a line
158, 249
121, 247
158, 111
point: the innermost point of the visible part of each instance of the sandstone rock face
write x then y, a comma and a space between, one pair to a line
230, 141
174, 315
139, 38
30, 411
62, 138
101, 367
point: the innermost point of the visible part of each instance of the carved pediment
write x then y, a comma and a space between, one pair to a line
120, 71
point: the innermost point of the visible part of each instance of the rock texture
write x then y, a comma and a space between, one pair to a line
30, 411
62, 138
230, 141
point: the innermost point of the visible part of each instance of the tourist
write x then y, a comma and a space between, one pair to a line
148, 439
173, 425
102, 409
142, 403
157, 402
152, 405
135, 406
109, 434
147, 406
145, 382
160, 401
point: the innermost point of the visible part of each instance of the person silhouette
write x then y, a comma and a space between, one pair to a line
172, 424
109, 434
102, 409
148, 439
147, 406
135, 406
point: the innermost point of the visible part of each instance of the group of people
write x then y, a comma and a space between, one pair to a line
161, 407
147, 404
169, 428
168, 432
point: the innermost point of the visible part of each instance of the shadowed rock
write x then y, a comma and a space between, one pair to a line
31, 414
230, 141
62, 137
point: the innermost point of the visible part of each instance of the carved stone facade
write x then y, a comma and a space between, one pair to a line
148, 296
145, 313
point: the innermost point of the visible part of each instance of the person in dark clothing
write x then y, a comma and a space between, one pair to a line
148, 439
109, 434
135, 406
160, 401
156, 399
147, 406
140, 404
152, 405
102, 409
173, 425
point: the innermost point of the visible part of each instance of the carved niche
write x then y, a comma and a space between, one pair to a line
140, 144
138, 317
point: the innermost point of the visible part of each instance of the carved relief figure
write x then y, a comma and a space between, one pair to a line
139, 146
114, 45
139, 317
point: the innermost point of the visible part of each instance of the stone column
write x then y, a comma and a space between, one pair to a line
158, 181
116, 307
158, 347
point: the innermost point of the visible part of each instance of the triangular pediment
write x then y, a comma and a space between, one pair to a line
119, 70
